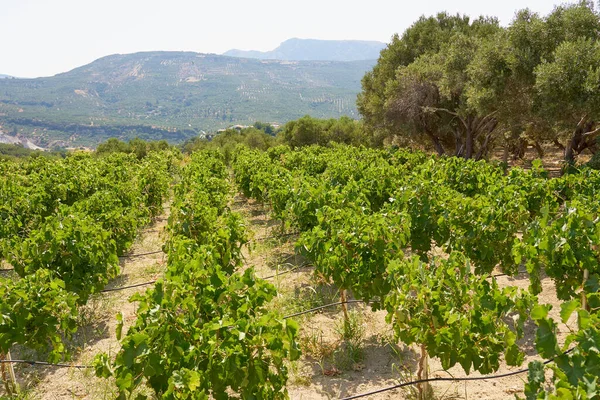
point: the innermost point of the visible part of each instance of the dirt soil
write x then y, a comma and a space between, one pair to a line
325, 371
97, 327
331, 366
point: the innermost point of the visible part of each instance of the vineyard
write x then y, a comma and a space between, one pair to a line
461, 265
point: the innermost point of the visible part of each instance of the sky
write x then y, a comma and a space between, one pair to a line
46, 37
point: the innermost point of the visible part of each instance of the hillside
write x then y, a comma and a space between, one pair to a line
2, 76
173, 96
313, 49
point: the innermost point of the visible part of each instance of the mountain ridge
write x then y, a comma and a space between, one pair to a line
173, 96
296, 49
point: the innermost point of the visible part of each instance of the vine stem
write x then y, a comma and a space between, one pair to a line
423, 374
344, 305
10, 382
11, 372
584, 303
4, 378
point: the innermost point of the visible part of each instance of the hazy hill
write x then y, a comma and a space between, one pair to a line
2, 76
313, 49
173, 95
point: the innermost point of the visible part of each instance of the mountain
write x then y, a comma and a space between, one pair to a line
313, 49
173, 96
2, 76
6, 139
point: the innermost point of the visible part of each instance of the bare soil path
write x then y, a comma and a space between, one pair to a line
335, 362
333, 367
97, 326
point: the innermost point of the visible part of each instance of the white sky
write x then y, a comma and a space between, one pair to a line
45, 37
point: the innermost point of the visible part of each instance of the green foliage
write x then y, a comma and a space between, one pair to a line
205, 330
136, 146
227, 142
211, 328
457, 315
356, 232
353, 248
568, 85
563, 246
308, 131
265, 127
71, 245
460, 87
594, 162
577, 362
14, 152
36, 312
63, 223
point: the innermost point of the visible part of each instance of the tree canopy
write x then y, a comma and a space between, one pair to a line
307, 131
463, 86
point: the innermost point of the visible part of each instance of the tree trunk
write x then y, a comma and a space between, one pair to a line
436, 143
469, 144
483, 151
457, 144
8, 375
584, 302
521, 148
571, 146
505, 155
575, 141
558, 144
538, 148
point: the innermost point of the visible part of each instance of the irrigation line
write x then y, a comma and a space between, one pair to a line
128, 287
141, 254
287, 271
339, 303
275, 236
358, 396
45, 364
473, 378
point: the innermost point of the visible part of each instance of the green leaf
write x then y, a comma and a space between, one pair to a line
567, 308
545, 341
536, 378
193, 380
514, 356
540, 311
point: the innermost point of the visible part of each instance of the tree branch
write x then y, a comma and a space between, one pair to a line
558, 144
592, 133
492, 125
484, 147
453, 113
582, 121
485, 120
435, 109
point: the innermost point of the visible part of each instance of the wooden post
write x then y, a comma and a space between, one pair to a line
4, 375
11, 372
8, 375
584, 303
425, 390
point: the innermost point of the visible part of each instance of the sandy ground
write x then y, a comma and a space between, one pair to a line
97, 327
324, 371
329, 367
